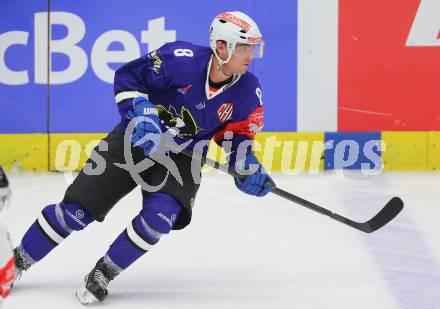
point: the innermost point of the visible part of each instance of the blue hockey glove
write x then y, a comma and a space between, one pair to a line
146, 133
254, 184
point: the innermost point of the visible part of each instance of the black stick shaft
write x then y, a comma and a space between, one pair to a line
391, 209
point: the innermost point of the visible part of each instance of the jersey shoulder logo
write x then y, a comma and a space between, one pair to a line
182, 124
156, 64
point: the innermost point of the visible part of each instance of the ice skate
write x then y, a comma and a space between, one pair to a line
96, 282
21, 264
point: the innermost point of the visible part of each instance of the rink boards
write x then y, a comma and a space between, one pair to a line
287, 152
336, 67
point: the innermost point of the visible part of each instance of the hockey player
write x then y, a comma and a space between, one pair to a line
7, 271
195, 93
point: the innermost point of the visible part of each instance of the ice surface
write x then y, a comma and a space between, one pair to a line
248, 252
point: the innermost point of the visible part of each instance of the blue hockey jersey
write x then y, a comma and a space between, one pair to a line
176, 79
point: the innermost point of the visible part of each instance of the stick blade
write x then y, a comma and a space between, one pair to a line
388, 213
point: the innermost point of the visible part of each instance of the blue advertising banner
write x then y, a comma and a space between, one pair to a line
90, 39
23, 86
277, 71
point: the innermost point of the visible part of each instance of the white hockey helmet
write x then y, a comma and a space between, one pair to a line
235, 27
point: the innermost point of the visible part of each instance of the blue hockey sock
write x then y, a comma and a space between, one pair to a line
54, 224
158, 215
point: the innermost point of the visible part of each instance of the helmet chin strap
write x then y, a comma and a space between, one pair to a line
219, 67
221, 62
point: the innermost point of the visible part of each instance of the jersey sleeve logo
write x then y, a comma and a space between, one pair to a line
181, 124
256, 121
225, 112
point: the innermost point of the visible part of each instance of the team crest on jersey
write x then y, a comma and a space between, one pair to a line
181, 124
156, 64
225, 112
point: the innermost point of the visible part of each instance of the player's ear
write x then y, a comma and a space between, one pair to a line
222, 49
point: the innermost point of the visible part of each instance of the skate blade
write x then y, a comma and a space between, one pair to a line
85, 297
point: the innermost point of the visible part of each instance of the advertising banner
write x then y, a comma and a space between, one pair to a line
389, 65
59, 65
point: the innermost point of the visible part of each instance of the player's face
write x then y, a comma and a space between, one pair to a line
241, 59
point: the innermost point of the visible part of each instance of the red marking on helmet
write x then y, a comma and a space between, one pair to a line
254, 39
235, 20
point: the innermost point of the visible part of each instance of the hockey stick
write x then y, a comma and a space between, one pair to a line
385, 215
